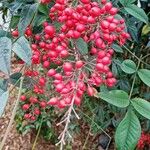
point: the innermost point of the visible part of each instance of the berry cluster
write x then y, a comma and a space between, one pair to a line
68, 71
144, 141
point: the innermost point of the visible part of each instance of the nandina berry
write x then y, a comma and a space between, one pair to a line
90, 91
28, 32
43, 104
68, 67
33, 100
108, 6
85, 1
113, 11
100, 67
46, 64
80, 27
105, 24
33, 118
51, 72
99, 43
50, 30
37, 37
15, 33
93, 50
79, 64
68, 100
42, 81
25, 107
77, 101
61, 104
23, 98
27, 116
106, 60
37, 111
52, 101
58, 76
59, 87
101, 54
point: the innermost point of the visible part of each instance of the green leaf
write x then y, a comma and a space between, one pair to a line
39, 19
22, 48
15, 78
146, 29
142, 106
128, 132
3, 86
118, 98
57, 25
4, 34
27, 15
117, 48
137, 13
3, 102
43, 9
126, 2
144, 75
5, 54
14, 22
128, 66
82, 46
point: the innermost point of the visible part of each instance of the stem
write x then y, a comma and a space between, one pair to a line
134, 79
139, 59
38, 133
13, 115
145, 56
86, 140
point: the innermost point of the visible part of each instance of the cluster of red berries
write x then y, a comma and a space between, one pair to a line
144, 141
28, 32
32, 107
69, 72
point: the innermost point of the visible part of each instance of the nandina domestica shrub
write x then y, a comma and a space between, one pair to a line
73, 55
75, 59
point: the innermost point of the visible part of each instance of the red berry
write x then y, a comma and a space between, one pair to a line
15, 33
43, 104
79, 64
37, 111
51, 72
85, 1
50, 30
90, 91
23, 98
108, 6
67, 67
27, 116
53, 101
25, 107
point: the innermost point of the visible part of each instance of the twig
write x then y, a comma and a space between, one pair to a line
67, 119
139, 59
38, 133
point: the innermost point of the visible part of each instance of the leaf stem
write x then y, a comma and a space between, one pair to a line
134, 79
139, 59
